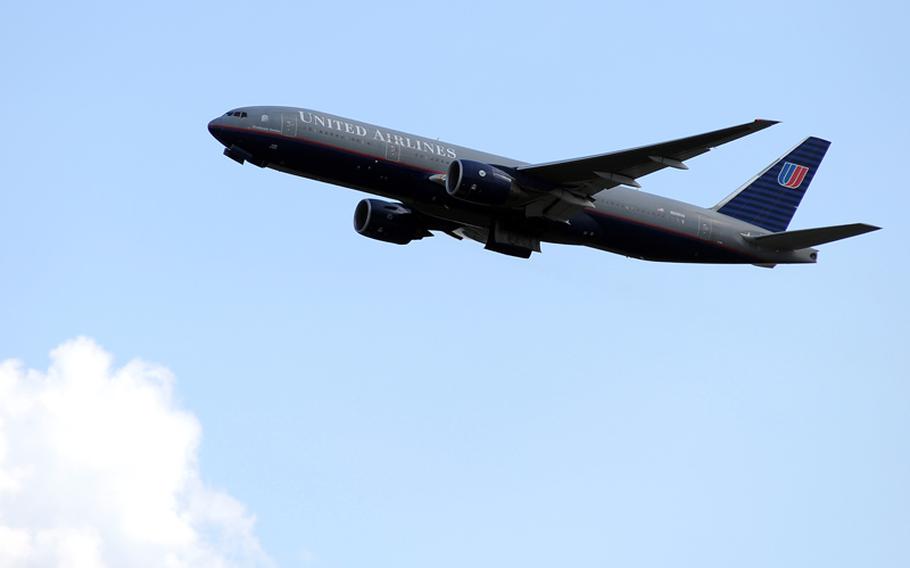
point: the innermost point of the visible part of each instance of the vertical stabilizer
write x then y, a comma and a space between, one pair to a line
770, 199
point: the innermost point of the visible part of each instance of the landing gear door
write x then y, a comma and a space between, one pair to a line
289, 124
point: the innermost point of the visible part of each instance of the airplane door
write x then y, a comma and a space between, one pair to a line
704, 228
392, 152
289, 125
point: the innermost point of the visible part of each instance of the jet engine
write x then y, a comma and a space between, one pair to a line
479, 183
389, 222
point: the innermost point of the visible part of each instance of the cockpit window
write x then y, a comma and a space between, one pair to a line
237, 113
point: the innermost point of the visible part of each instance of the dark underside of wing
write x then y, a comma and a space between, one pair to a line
623, 167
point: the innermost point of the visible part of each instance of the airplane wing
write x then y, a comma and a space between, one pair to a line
580, 178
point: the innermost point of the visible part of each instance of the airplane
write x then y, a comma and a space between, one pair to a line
511, 207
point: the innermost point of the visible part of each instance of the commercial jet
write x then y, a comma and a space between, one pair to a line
512, 206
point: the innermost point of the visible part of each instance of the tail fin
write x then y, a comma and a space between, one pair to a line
770, 199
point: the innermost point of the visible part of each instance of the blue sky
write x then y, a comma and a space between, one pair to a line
437, 404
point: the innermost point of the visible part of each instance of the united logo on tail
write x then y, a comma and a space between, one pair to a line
792, 175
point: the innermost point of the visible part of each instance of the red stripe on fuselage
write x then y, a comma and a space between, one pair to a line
273, 134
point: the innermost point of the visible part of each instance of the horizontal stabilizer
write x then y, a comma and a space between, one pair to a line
805, 238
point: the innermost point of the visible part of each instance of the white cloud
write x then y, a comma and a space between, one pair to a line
98, 467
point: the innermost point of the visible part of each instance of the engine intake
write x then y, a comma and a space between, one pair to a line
479, 183
389, 222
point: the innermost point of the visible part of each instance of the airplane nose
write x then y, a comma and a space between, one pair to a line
214, 126
216, 129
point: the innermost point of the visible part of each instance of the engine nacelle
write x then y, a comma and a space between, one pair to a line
479, 183
389, 222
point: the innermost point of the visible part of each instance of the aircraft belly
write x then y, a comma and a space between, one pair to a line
355, 171
639, 239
